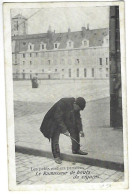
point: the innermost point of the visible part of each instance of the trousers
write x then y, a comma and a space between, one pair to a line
55, 142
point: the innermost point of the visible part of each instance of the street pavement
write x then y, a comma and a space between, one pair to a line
53, 90
40, 170
100, 141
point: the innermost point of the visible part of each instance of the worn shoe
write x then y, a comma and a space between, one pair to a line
79, 152
58, 160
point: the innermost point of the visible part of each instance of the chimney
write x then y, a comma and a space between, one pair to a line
49, 34
83, 31
53, 33
49, 30
69, 32
87, 26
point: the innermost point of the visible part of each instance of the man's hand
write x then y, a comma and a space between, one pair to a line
67, 133
82, 134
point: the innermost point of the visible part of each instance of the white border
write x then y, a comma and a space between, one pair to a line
9, 99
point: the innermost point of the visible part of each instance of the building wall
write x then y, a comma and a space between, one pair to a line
80, 63
70, 55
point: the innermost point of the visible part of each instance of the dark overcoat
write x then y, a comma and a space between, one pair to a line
61, 117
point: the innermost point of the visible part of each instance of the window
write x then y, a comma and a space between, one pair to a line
85, 72
16, 25
15, 58
23, 70
70, 44
106, 61
77, 60
77, 72
23, 55
55, 70
30, 46
92, 72
36, 54
85, 43
23, 62
100, 61
30, 55
69, 72
49, 62
55, 45
42, 46
63, 70
30, 62
30, 76
42, 70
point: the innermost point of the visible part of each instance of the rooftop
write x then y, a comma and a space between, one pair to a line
94, 36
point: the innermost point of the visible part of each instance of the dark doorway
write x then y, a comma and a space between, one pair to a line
23, 75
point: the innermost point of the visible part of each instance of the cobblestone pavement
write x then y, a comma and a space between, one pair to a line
40, 170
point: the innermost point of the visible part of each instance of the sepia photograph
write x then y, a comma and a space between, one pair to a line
66, 95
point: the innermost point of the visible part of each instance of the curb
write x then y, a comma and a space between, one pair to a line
73, 158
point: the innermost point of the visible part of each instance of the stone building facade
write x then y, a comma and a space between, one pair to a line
70, 55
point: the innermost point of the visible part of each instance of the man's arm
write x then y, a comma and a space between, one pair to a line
79, 124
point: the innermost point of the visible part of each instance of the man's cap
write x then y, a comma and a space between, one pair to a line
80, 101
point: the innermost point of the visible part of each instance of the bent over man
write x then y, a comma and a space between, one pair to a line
64, 117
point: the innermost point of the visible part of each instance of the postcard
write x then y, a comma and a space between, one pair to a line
66, 95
